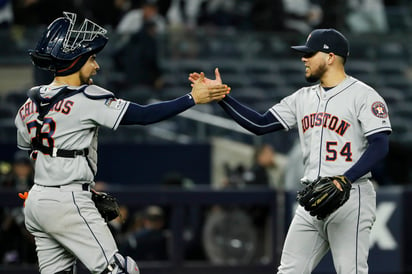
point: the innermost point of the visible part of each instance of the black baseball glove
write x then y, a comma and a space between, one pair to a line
106, 204
324, 195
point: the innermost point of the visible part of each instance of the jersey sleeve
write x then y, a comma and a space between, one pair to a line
105, 112
373, 113
285, 111
23, 139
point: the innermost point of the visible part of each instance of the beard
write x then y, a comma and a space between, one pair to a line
312, 78
316, 74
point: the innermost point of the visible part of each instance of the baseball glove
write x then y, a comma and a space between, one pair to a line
106, 204
324, 195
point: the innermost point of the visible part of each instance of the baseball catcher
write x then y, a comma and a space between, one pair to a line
348, 139
324, 195
59, 124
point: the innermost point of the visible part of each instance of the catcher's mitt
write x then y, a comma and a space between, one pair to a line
106, 204
324, 195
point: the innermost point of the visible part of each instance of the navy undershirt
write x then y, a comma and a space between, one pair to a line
250, 119
148, 114
377, 149
260, 124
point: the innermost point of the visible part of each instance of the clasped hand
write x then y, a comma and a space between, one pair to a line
205, 90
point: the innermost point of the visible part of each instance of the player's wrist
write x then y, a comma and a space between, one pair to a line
191, 98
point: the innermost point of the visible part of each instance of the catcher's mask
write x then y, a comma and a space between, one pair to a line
63, 49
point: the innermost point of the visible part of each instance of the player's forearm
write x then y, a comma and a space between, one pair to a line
377, 150
248, 118
148, 114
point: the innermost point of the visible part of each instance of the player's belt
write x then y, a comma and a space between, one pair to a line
85, 186
69, 153
55, 152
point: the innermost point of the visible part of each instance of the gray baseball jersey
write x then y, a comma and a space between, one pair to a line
71, 124
333, 126
59, 211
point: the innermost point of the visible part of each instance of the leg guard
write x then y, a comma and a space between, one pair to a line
122, 265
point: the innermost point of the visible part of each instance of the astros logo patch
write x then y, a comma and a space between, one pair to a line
379, 110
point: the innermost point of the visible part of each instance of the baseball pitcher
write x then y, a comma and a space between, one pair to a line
343, 127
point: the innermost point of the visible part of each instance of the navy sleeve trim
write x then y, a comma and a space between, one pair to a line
276, 114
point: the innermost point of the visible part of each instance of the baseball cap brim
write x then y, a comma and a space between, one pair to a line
303, 49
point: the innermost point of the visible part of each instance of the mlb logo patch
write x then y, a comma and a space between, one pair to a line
113, 103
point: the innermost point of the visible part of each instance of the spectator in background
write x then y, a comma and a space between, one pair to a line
268, 168
263, 160
183, 14
302, 15
16, 243
6, 14
151, 242
138, 59
141, 11
294, 169
21, 175
366, 16
136, 54
105, 12
119, 225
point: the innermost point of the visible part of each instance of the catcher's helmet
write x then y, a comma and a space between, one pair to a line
64, 50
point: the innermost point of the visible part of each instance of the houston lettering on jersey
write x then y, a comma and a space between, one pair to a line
325, 120
62, 106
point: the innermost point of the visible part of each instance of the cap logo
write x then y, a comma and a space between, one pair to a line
325, 46
307, 39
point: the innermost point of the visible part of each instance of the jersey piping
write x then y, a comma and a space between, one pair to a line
249, 121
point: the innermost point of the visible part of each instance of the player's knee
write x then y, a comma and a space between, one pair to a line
122, 265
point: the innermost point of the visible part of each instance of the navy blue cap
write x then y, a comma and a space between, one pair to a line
325, 40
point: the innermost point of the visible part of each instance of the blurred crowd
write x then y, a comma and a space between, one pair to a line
138, 24
259, 15
16, 243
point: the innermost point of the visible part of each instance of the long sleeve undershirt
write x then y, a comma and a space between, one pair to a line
248, 118
148, 114
377, 149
